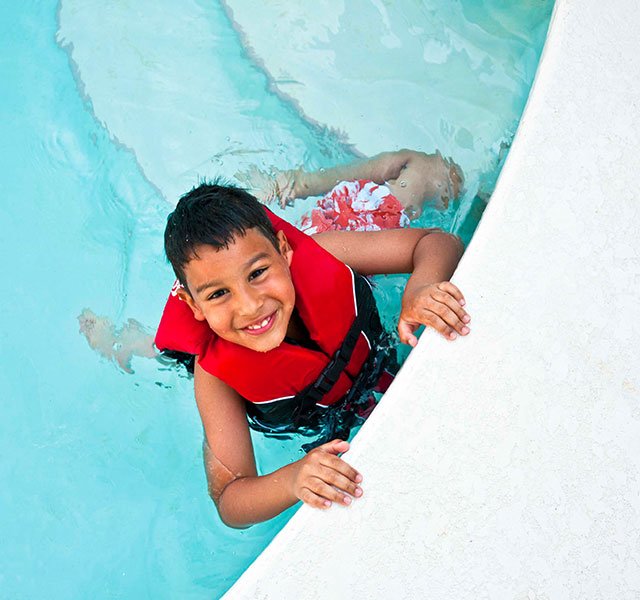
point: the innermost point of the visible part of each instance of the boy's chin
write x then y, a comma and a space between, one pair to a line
266, 345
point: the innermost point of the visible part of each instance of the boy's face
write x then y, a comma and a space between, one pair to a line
244, 292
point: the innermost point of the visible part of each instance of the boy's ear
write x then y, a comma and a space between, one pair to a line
285, 248
186, 297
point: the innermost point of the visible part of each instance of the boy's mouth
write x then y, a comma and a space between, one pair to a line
261, 326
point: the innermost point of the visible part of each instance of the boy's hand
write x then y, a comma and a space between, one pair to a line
438, 305
322, 477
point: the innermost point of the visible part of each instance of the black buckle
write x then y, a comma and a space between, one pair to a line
314, 392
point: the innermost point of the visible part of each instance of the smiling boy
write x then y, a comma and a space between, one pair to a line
285, 331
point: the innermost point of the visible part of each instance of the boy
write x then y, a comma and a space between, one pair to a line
281, 328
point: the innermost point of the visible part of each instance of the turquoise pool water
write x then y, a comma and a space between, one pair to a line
108, 112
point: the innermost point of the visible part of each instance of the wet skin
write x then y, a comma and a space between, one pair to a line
244, 292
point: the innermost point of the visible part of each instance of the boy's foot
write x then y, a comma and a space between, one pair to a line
269, 186
122, 345
427, 178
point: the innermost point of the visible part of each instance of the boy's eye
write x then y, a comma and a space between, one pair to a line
257, 273
217, 294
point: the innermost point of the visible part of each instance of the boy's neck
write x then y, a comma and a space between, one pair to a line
296, 329
298, 334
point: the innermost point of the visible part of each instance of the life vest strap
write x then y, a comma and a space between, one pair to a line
313, 393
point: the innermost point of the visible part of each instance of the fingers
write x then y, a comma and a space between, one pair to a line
339, 481
450, 312
439, 317
432, 320
447, 286
441, 326
285, 183
439, 306
313, 499
406, 333
340, 467
326, 478
286, 199
321, 495
336, 446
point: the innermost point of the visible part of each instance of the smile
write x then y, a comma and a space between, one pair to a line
261, 327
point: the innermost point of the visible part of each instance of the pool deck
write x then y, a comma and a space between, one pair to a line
506, 464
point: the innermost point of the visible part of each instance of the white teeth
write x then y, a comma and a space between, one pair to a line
260, 325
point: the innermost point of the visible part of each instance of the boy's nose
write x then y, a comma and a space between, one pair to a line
249, 303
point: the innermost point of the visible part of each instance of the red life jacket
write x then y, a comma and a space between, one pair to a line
327, 298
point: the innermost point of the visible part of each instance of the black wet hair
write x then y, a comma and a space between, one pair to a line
212, 214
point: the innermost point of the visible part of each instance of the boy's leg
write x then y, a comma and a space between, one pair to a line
426, 178
413, 178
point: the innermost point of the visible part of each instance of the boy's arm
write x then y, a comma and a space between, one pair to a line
429, 297
404, 250
243, 497
430, 255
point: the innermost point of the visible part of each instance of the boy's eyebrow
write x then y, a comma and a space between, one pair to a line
247, 265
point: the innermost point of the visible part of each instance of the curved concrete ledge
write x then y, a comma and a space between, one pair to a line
505, 465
